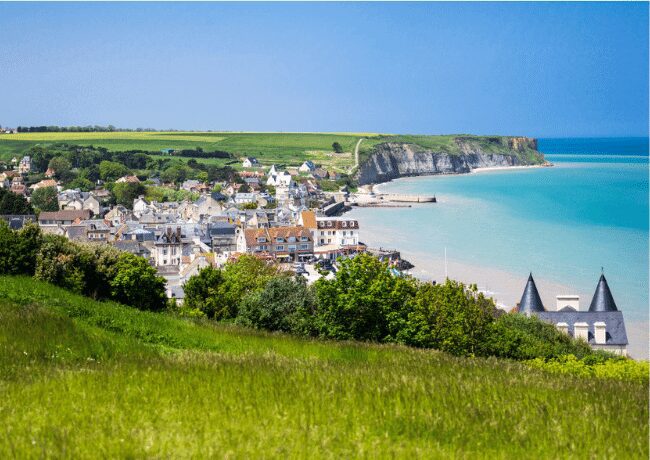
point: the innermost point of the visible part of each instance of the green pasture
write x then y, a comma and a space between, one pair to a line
84, 379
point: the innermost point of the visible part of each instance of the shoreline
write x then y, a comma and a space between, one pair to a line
374, 188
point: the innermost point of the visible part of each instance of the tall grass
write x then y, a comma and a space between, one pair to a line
83, 379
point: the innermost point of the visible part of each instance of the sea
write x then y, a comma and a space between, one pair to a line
564, 224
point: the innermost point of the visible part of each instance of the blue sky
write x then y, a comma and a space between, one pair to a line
539, 69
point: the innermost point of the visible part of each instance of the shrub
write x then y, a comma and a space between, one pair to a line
364, 301
62, 263
617, 368
450, 317
137, 283
520, 337
202, 291
285, 304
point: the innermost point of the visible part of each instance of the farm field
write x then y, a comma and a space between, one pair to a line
269, 148
85, 379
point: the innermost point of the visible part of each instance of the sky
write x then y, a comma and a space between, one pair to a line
535, 69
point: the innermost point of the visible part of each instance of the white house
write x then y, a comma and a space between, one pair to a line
250, 162
307, 167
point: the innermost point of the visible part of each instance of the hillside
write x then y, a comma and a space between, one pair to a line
269, 148
85, 379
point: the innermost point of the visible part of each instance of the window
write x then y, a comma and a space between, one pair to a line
304, 238
304, 246
329, 240
322, 233
279, 247
292, 247
292, 239
261, 239
279, 240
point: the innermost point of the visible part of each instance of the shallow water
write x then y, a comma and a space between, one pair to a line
562, 223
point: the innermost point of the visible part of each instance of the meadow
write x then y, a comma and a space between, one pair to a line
269, 148
84, 379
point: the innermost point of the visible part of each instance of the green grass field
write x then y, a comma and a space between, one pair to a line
281, 148
82, 379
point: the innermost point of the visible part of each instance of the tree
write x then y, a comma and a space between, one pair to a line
450, 317
138, 284
14, 204
364, 301
337, 147
240, 278
45, 199
25, 249
62, 263
202, 291
285, 304
126, 192
81, 183
110, 170
61, 167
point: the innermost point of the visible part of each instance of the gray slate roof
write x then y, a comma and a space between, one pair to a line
615, 326
530, 300
603, 299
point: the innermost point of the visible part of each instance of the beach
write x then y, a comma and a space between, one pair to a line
562, 224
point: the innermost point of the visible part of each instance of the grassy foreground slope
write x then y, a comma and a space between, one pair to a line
84, 379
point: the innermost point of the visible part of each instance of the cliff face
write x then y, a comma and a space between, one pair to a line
392, 160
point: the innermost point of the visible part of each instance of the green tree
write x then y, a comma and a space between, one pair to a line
126, 192
337, 147
62, 263
202, 291
110, 171
364, 301
240, 278
285, 304
61, 167
81, 183
25, 249
450, 317
137, 283
45, 199
14, 204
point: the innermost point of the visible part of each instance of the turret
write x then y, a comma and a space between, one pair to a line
603, 299
530, 300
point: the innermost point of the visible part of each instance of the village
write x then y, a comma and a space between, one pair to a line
299, 225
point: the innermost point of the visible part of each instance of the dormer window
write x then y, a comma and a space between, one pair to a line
329, 223
261, 239
304, 238
344, 224
279, 240
292, 239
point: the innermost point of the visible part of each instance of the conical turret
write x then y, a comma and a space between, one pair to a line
530, 300
603, 299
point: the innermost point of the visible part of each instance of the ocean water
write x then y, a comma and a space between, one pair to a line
564, 224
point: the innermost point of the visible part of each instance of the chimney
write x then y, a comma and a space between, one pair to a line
562, 327
571, 301
599, 332
581, 331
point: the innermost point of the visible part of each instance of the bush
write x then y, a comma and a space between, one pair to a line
449, 317
137, 283
13, 204
364, 301
202, 291
285, 304
617, 368
63, 263
18, 250
520, 337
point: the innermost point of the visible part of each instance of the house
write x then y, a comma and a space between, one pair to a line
250, 162
191, 185
18, 186
206, 205
128, 179
25, 165
281, 178
223, 237
118, 215
43, 184
50, 173
16, 222
67, 217
243, 198
283, 243
307, 167
602, 326
272, 171
319, 173
169, 247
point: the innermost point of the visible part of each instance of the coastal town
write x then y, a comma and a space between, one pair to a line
277, 214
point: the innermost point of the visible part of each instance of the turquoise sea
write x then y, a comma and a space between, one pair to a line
562, 223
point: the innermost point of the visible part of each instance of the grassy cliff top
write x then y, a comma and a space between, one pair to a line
269, 148
83, 379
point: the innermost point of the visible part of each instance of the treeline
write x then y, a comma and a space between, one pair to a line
365, 301
80, 129
199, 153
95, 270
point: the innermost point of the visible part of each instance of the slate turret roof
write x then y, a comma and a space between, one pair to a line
530, 300
603, 299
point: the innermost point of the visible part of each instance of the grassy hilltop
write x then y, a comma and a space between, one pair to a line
280, 148
84, 379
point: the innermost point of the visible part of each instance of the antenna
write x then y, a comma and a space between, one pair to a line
446, 276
